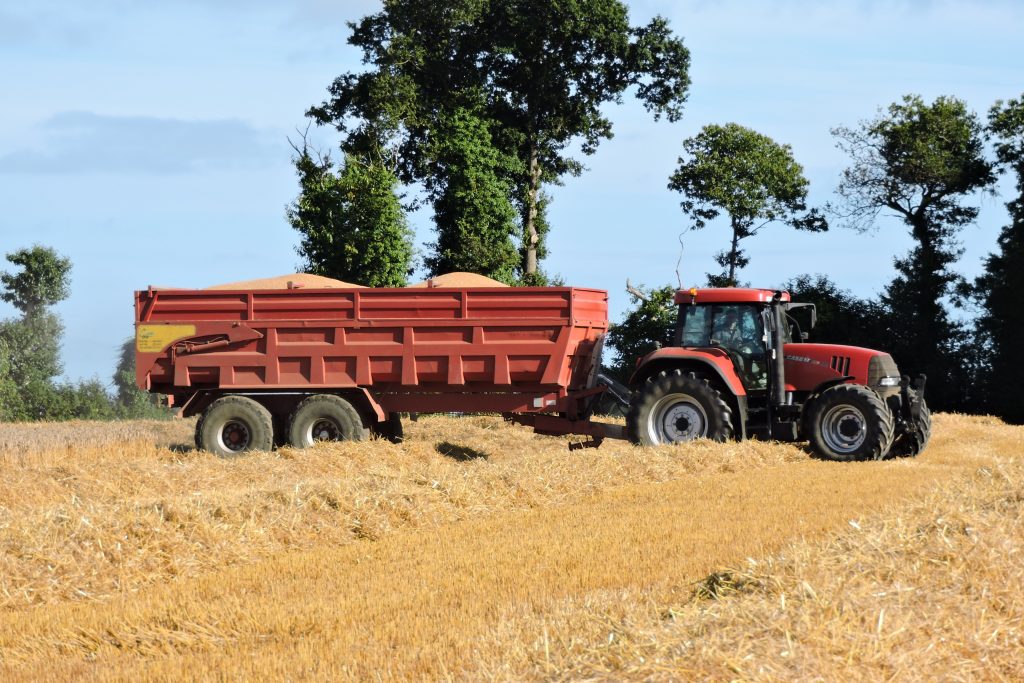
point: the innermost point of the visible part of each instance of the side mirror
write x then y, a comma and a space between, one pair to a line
804, 336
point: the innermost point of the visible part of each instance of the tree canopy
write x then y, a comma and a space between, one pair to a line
1001, 323
475, 219
748, 176
536, 74
352, 224
43, 281
30, 345
920, 161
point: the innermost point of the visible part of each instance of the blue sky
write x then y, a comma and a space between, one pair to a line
148, 142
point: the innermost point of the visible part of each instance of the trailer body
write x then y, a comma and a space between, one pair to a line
475, 349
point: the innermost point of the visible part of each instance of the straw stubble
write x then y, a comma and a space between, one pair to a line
479, 550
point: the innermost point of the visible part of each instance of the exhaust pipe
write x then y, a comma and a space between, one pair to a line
778, 380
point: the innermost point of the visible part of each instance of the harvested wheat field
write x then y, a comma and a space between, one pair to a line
479, 551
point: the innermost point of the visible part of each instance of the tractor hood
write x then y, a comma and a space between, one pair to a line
807, 366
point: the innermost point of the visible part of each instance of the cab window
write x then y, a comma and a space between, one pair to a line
730, 325
738, 328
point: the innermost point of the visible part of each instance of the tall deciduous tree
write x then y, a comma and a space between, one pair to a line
921, 161
43, 280
539, 73
748, 176
30, 345
352, 223
475, 219
1000, 287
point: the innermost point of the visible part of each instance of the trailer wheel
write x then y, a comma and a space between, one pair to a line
325, 417
232, 425
913, 441
674, 407
850, 422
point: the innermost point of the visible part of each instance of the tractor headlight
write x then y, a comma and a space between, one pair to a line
889, 381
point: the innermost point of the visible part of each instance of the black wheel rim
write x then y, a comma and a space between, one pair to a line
235, 436
844, 429
324, 429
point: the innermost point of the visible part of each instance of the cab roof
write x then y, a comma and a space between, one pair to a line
727, 295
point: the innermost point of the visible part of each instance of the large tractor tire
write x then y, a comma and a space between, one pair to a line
850, 422
673, 407
325, 417
232, 425
913, 441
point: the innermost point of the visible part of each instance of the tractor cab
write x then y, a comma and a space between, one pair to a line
742, 324
736, 328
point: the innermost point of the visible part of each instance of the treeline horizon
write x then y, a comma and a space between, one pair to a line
480, 105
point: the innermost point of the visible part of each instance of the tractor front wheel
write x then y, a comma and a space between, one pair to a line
915, 437
850, 422
674, 407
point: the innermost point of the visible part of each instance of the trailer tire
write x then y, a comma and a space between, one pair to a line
233, 425
850, 422
325, 417
673, 407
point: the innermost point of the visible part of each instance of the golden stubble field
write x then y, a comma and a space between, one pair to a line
479, 551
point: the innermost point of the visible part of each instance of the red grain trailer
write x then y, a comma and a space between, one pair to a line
298, 365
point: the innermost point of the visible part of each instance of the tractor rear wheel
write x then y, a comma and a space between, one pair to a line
674, 407
233, 425
850, 422
913, 441
325, 417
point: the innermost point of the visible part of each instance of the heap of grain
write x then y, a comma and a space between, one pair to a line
460, 279
307, 281
290, 281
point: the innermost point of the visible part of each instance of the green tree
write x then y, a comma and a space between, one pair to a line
842, 317
539, 73
748, 176
475, 220
43, 280
9, 404
650, 323
920, 161
130, 401
352, 224
30, 345
33, 348
84, 400
999, 288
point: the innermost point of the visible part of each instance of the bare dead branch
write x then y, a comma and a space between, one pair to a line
636, 291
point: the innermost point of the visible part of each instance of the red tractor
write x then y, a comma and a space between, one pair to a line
740, 367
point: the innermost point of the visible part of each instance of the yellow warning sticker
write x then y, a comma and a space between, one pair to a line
155, 338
